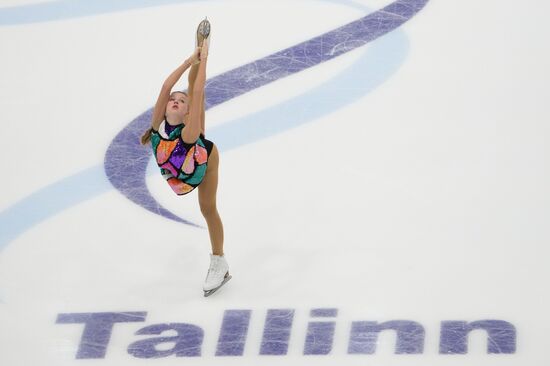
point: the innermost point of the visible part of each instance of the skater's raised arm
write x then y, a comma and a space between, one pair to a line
194, 127
164, 95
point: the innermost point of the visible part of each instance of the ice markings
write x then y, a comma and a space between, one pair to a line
277, 329
247, 78
277, 333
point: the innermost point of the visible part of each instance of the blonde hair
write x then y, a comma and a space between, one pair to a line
146, 137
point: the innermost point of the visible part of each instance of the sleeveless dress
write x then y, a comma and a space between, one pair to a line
183, 165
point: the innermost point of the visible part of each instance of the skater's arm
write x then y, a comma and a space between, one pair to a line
164, 95
195, 126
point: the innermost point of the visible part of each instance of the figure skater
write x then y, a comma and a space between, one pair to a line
185, 157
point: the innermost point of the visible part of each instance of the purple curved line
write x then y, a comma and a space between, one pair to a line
126, 160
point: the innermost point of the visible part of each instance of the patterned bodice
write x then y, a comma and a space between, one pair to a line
173, 155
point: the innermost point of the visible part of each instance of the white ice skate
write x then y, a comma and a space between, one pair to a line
217, 276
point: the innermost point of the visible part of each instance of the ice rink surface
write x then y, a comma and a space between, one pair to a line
383, 184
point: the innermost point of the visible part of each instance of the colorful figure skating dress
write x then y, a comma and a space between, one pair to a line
183, 165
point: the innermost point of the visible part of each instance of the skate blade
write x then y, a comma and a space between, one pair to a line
210, 292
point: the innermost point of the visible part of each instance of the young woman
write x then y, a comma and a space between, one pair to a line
186, 158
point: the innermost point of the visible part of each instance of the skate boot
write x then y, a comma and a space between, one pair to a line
217, 276
203, 32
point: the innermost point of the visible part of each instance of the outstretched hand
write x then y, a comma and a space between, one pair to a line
200, 52
195, 56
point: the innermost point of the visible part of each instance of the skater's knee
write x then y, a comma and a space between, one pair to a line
208, 209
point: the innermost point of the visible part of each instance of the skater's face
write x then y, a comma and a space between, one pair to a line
177, 106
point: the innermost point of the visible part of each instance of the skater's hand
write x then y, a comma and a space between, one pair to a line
195, 56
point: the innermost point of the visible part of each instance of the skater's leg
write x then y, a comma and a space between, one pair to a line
202, 113
218, 272
191, 79
207, 201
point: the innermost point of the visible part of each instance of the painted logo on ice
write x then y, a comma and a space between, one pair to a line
185, 339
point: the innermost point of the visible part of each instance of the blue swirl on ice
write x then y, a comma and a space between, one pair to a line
375, 65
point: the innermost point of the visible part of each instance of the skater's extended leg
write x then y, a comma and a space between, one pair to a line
191, 79
207, 201
202, 113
